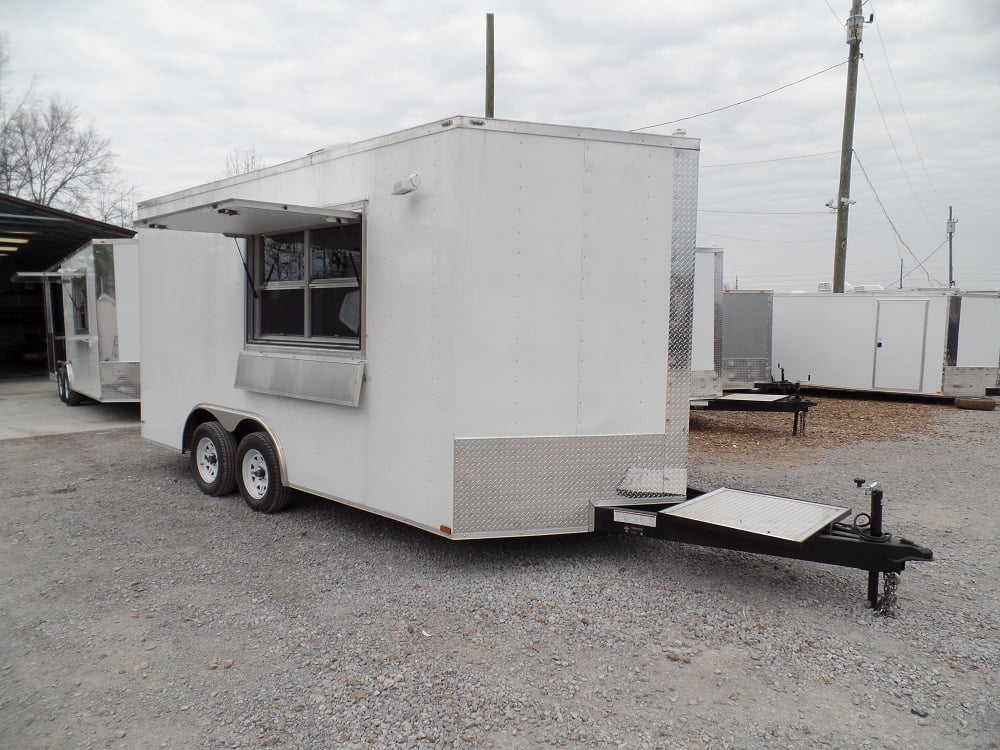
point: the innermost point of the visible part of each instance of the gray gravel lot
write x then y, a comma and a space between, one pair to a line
138, 613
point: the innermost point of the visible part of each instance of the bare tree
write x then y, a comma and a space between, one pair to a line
59, 162
49, 157
242, 160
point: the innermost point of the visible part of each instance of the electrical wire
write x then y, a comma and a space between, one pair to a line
886, 213
892, 142
839, 22
768, 161
920, 264
906, 118
769, 242
761, 213
736, 104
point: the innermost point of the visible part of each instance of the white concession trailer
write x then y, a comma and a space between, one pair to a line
92, 321
479, 327
921, 342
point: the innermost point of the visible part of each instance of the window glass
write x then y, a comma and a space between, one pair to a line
78, 298
308, 286
282, 312
283, 257
336, 311
335, 253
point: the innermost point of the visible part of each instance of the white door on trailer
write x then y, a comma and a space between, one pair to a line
899, 345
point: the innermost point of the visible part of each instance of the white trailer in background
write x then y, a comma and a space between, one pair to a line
92, 321
932, 343
706, 338
746, 338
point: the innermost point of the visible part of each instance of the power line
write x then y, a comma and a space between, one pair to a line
768, 161
906, 118
839, 22
736, 104
920, 264
769, 242
762, 213
886, 213
892, 142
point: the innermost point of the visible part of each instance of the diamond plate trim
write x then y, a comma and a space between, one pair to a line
719, 289
119, 381
542, 483
754, 513
743, 373
682, 254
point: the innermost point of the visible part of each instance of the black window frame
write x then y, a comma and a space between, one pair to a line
259, 287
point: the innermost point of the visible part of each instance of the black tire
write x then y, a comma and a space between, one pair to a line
978, 404
213, 459
72, 397
61, 383
258, 474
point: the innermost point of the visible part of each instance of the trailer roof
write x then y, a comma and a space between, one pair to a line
152, 207
242, 218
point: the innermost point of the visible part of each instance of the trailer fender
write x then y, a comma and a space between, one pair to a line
239, 423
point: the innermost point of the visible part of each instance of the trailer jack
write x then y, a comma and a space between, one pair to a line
779, 527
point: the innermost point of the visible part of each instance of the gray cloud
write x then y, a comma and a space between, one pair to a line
177, 85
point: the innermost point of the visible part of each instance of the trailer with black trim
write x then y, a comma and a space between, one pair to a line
478, 327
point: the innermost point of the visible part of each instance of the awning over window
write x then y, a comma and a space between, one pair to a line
33, 277
242, 218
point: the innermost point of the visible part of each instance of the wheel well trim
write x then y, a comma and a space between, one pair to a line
231, 419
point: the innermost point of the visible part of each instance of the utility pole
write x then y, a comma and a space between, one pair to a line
951, 230
855, 23
489, 65
900, 273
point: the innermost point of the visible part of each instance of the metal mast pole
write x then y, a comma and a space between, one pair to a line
951, 231
489, 65
854, 26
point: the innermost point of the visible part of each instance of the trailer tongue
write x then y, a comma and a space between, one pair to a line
780, 527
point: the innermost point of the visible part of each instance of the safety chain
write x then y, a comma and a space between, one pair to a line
887, 602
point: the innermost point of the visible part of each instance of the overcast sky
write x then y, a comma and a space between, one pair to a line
177, 85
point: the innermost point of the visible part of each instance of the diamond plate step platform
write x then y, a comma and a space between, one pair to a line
754, 513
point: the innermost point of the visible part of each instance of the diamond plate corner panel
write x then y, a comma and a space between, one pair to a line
682, 255
540, 483
119, 381
719, 289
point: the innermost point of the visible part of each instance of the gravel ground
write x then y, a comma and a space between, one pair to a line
138, 613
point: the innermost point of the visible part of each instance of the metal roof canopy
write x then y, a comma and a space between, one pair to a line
51, 235
753, 513
235, 217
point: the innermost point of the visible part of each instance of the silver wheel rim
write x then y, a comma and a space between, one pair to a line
208, 459
255, 473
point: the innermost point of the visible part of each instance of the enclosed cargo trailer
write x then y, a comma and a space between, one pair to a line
482, 328
706, 338
463, 326
931, 343
746, 337
92, 321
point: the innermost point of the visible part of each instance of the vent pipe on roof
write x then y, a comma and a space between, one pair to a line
489, 65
